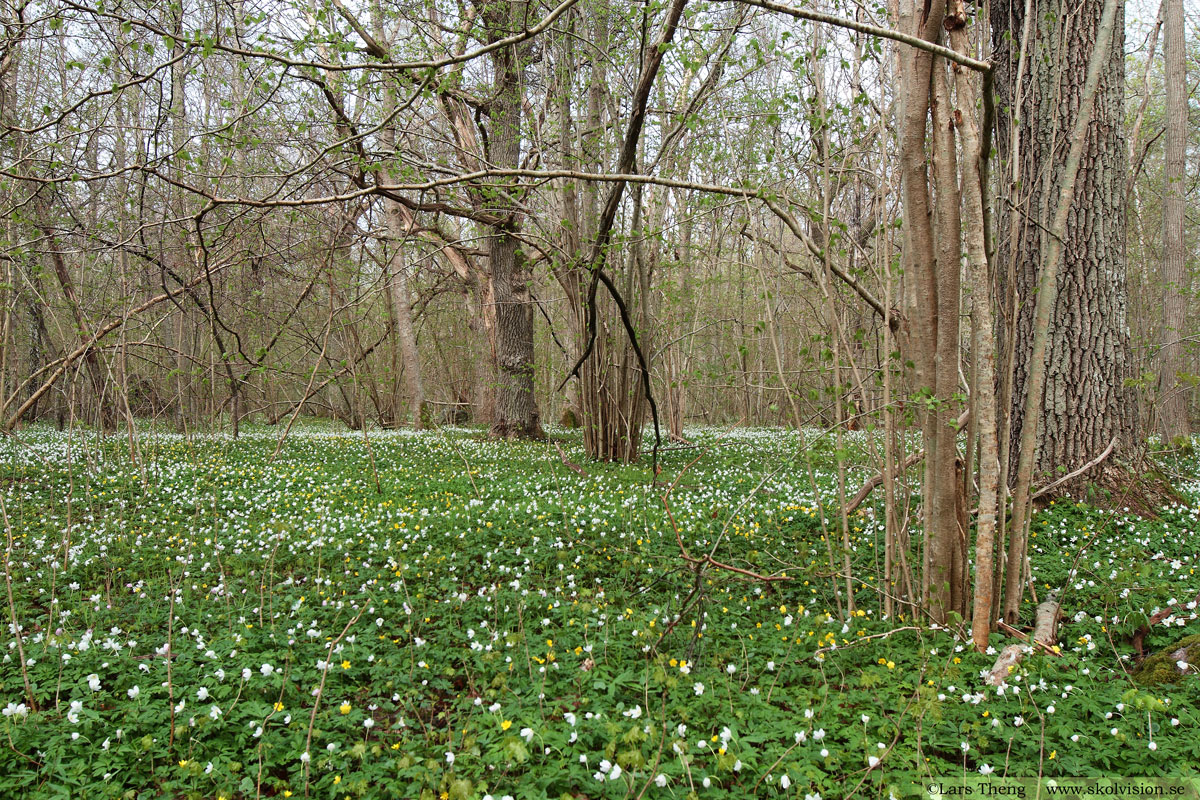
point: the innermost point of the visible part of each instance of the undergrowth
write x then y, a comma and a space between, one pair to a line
436, 615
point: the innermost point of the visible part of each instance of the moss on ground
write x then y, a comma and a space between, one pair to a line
1163, 666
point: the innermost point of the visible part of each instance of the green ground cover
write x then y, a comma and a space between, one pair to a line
436, 615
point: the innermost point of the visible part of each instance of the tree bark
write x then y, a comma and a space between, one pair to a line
1045, 635
931, 258
515, 415
1071, 349
947, 538
1173, 421
400, 224
1086, 403
983, 347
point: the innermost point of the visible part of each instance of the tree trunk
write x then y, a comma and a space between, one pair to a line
1069, 366
82, 327
174, 239
516, 412
401, 302
399, 226
947, 536
931, 335
609, 388
1172, 392
1086, 404
983, 346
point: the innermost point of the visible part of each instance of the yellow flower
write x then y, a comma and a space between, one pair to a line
674, 662
183, 762
337, 779
287, 792
891, 665
396, 746
506, 724
278, 706
344, 708
345, 665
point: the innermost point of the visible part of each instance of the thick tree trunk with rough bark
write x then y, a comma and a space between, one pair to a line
516, 412
1086, 403
1172, 393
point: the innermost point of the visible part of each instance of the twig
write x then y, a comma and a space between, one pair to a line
1024, 637
170, 644
1094, 462
312, 719
12, 608
909, 462
466, 463
308, 390
578, 470
865, 491
1139, 636
658, 757
822, 650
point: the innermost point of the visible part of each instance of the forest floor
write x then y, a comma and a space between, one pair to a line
436, 615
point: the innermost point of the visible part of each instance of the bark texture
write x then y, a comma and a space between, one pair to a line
932, 251
401, 303
515, 413
1172, 392
983, 346
1086, 404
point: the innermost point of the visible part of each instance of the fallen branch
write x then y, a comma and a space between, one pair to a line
1139, 636
1093, 463
820, 652
1024, 637
1045, 635
578, 470
872, 483
708, 560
